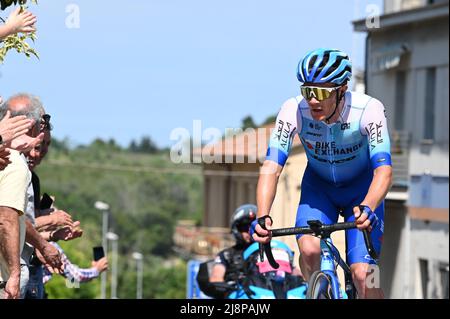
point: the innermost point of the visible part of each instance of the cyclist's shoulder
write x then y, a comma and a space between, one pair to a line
290, 112
230, 251
292, 104
358, 100
302, 104
224, 255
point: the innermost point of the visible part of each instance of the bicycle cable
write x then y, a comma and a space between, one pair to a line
331, 246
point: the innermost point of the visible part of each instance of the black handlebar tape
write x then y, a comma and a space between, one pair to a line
307, 230
261, 222
268, 251
291, 231
369, 245
261, 252
267, 248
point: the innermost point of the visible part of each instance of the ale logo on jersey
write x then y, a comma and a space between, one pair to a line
308, 145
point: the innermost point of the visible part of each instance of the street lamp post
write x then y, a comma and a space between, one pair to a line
139, 273
104, 208
115, 239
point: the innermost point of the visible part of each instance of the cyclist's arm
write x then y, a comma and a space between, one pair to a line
280, 145
267, 186
374, 126
218, 273
219, 268
216, 286
379, 187
78, 274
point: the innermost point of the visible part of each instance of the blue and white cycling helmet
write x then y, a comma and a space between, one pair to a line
325, 66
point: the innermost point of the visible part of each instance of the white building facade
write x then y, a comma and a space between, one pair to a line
407, 68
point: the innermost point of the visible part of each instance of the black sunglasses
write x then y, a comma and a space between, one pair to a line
243, 227
45, 122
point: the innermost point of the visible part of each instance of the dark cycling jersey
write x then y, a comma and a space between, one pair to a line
233, 261
338, 152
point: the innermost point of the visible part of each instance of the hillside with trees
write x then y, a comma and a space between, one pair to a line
147, 194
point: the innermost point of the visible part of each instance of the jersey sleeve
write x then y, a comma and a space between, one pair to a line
286, 126
220, 259
374, 126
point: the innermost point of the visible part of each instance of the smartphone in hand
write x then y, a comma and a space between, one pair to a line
46, 202
99, 253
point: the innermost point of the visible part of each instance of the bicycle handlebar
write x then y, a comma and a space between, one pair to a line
317, 229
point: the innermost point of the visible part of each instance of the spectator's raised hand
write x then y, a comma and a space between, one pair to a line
101, 264
60, 234
13, 127
61, 218
67, 233
76, 230
21, 21
50, 257
4, 157
25, 143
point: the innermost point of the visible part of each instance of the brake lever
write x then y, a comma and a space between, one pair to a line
368, 240
369, 245
266, 248
261, 252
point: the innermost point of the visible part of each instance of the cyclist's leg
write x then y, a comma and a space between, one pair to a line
314, 205
365, 272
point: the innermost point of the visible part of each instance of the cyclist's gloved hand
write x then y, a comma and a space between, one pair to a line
261, 234
365, 217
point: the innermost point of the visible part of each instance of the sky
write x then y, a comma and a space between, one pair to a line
147, 67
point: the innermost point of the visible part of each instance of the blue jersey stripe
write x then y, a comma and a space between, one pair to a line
380, 159
276, 155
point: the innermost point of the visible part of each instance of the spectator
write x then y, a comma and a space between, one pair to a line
74, 272
14, 180
18, 21
11, 128
25, 104
52, 224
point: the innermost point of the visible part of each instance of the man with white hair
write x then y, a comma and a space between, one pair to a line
14, 180
30, 106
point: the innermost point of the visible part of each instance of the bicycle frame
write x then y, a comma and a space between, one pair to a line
327, 265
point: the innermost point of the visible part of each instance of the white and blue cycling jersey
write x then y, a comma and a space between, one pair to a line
341, 159
337, 152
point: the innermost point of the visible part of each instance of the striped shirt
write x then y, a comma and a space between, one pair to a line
71, 271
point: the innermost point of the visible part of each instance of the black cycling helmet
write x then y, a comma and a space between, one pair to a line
242, 217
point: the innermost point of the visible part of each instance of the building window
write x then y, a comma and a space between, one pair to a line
424, 276
429, 116
400, 84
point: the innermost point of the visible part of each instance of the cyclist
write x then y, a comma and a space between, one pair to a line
229, 263
228, 266
349, 169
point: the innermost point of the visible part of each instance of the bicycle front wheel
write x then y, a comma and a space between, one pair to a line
319, 286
